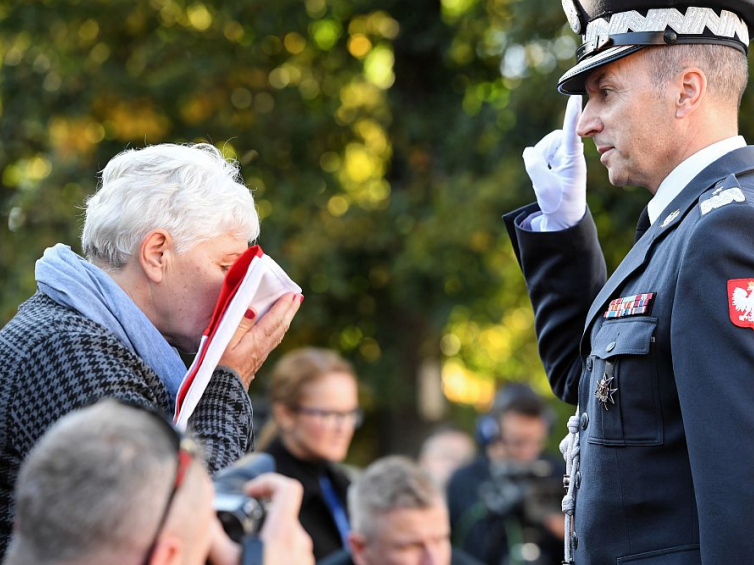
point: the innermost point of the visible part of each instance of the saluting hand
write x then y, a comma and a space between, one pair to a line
557, 169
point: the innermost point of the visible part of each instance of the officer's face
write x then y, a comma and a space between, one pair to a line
632, 123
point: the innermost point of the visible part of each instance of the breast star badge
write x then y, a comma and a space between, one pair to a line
604, 393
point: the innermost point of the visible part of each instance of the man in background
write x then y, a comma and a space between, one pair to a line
398, 517
504, 506
444, 451
114, 484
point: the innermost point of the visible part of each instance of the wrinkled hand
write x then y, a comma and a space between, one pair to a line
557, 169
252, 343
285, 540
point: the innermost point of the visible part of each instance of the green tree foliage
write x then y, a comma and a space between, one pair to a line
382, 140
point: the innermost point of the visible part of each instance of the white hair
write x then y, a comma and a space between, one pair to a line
389, 484
191, 191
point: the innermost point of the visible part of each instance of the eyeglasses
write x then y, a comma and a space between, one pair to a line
185, 452
333, 417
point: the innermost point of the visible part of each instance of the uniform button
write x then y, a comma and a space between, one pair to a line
589, 363
575, 541
610, 346
578, 479
584, 420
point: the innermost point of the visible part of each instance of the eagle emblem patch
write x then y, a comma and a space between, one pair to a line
741, 302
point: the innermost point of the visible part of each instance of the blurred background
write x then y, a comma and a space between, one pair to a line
382, 140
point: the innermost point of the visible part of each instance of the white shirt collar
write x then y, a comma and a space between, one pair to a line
684, 173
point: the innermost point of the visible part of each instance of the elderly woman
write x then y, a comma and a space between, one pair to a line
165, 225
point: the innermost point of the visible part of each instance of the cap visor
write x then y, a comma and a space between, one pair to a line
574, 80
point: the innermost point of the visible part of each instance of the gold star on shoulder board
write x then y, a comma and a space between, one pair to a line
604, 393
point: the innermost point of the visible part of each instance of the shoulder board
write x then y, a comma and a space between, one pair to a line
724, 192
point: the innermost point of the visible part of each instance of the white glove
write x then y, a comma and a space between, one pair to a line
557, 170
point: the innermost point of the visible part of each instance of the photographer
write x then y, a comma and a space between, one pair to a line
115, 484
505, 505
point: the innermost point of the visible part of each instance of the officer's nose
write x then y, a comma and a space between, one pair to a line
590, 123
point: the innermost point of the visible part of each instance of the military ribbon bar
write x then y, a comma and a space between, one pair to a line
636, 305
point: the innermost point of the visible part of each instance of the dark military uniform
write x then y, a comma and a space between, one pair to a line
664, 378
661, 457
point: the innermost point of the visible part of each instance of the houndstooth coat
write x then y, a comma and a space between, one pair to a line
54, 360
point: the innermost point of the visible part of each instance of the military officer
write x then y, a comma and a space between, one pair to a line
659, 357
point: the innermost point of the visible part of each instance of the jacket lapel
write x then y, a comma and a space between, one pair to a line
735, 162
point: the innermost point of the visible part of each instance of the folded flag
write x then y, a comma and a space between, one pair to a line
254, 281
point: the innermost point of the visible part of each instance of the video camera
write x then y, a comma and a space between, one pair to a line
240, 514
532, 489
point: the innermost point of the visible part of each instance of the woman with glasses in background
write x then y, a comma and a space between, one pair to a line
315, 411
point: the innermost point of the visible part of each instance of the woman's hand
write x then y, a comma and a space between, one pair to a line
252, 343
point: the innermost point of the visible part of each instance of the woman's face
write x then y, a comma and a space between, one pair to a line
322, 425
186, 296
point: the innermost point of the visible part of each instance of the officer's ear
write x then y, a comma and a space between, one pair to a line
691, 87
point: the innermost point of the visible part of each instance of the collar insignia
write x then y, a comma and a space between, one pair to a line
672, 216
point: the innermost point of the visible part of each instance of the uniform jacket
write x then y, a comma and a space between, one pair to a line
54, 360
667, 466
315, 515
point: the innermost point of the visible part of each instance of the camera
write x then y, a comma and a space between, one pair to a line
240, 514
531, 489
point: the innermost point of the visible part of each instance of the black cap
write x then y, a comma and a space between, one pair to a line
612, 29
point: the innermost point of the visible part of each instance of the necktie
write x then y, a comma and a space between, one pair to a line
642, 225
336, 508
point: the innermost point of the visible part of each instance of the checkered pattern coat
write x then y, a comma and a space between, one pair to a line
54, 360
